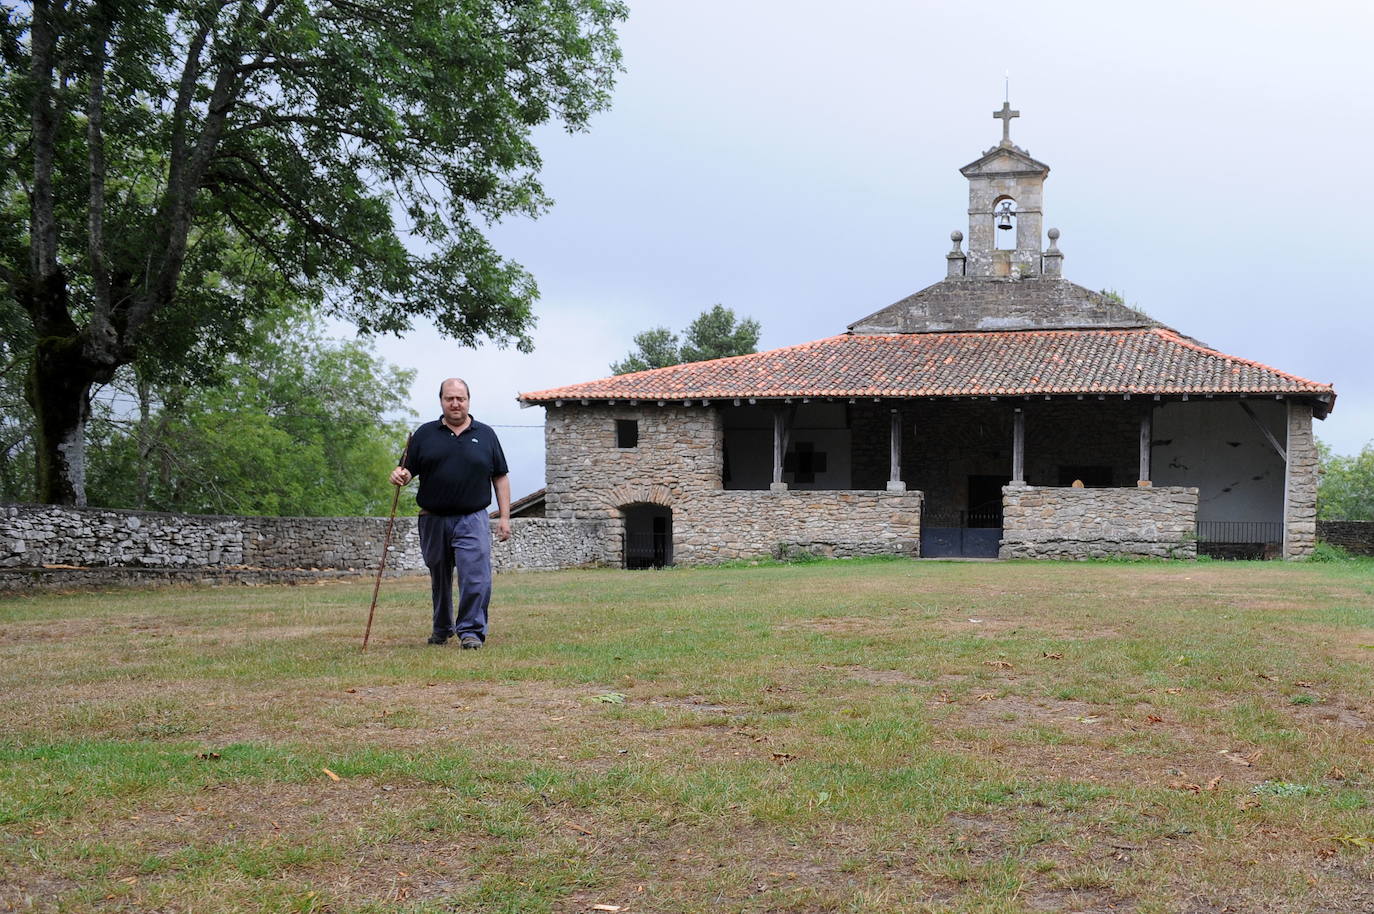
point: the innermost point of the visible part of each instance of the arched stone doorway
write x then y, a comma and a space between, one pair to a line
648, 535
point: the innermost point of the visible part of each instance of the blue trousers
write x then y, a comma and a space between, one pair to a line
460, 542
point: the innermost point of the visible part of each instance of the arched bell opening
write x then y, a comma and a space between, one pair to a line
1004, 223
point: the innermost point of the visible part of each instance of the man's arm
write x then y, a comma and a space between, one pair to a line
502, 486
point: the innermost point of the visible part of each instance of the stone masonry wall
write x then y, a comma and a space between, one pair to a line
677, 464
679, 452
1300, 488
1068, 523
721, 526
1355, 536
37, 535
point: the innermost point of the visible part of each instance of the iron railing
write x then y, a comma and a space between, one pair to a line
1240, 531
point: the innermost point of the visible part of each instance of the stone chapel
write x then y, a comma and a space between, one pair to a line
1002, 412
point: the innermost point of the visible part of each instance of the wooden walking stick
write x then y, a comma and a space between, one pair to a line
386, 547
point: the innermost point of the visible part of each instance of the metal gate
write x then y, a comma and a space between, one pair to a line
961, 534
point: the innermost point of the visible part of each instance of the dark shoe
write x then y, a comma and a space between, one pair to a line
439, 639
470, 642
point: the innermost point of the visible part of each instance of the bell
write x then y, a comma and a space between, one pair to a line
1004, 221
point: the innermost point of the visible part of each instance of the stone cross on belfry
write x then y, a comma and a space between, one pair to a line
1005, 116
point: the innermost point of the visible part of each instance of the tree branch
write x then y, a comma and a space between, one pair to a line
43, 224
99, 331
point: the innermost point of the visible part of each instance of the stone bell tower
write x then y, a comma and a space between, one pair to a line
1005, 214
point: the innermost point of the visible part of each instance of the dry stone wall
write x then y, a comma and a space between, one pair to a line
1069, 523
1354, 536
235, 548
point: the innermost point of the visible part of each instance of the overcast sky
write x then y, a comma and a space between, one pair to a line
798, 162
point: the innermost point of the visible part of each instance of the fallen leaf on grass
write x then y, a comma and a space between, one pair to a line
782, 758
1361, 841
332, 775
1244, 802
605, 907
1154, 719
1089, 719
1180, 785
351, 691
1052, 655
1172, 691
997, 664
986, 696
1214, 782
610, 698
1302, 683
208, 756
1336, 774
578, 828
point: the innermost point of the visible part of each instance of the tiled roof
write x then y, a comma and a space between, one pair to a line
1145, 360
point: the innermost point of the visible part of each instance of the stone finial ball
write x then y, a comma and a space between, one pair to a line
956, 236
1054, 234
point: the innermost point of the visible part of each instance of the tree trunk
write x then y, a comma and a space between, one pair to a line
59, 390
145, 438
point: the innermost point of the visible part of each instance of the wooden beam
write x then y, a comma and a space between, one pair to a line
1018, 448
1268, 435
1146, 433
778, 445
895, 468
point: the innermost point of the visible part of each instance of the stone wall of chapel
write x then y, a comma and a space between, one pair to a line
1068, 523
588, 476
677, 462
1300, 492
737, 524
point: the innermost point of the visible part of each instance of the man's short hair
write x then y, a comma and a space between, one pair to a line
467, 390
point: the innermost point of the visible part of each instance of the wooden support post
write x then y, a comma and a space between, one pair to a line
894, 476
1146, 433
1018, 448
779, 445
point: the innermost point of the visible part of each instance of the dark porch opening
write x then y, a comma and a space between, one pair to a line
648, 536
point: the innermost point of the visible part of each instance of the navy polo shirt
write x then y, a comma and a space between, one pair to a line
455, 471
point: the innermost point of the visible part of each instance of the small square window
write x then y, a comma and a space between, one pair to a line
627, 433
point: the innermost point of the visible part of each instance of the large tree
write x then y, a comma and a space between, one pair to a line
168, 164
715, 334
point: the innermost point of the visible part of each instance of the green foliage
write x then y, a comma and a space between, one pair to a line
654, 348
1330, 552
1346, 491
296, 427
171, 171
715, 334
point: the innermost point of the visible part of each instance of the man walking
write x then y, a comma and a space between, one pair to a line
459, 461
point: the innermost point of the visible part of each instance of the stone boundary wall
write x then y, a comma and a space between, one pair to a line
1067, 523
738, 524
1355, 536
255, 548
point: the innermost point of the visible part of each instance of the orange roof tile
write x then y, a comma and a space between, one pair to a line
1145, 360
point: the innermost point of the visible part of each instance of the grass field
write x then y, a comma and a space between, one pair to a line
865, 736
